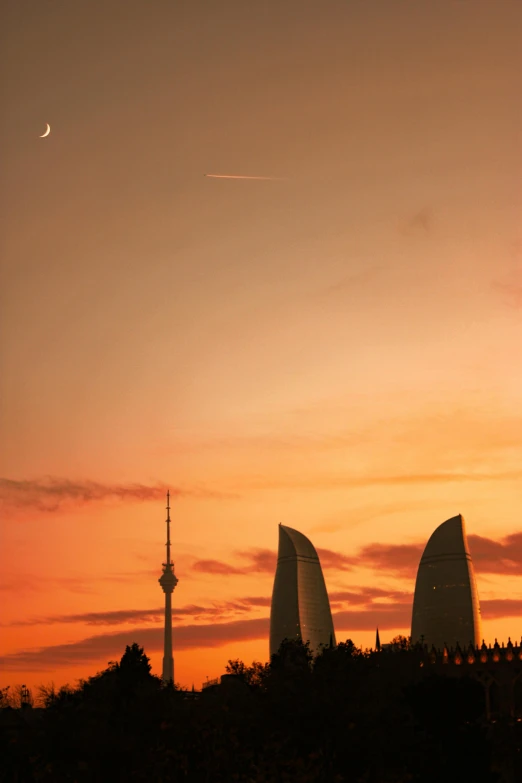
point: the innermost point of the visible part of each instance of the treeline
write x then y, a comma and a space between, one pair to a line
348, 715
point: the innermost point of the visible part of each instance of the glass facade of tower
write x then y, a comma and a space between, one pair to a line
300, 606
446, 608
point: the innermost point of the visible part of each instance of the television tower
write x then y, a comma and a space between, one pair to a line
168, 582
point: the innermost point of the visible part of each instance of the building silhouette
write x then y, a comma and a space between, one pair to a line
446, 610
168, 582
300, 607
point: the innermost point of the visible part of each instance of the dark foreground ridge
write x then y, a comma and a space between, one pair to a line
401, 715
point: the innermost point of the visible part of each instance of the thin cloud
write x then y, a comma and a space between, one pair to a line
24, 583
259, 600
367, 595
115, 617
497, 557
259, 561
51, 494
21, 583
496, 608
265, 561
335, 560
419, 223
104, 647
397, 559
351, 282
217, 610
511, 293
386, 617
262, 560
242, 176
133, 616
327, 482
489, 556
510, 288
398, 615
216, 567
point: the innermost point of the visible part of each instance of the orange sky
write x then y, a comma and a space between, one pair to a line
338, 349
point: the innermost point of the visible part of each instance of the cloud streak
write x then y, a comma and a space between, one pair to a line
108, 646
265, 561
327, 482
393, 615
366, 595
497, 557
50, 494
419, 223
217, 610
242, 176
400, 560
258, 561
489, 556
396, 559
216, 567
28, 582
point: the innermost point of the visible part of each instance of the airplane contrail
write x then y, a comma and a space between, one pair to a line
239, 176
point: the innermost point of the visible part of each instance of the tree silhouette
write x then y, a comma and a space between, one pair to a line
343, 715
400, 643
254, 675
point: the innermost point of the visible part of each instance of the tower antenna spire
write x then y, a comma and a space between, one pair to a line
168, 527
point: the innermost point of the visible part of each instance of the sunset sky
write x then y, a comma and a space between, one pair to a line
338, 348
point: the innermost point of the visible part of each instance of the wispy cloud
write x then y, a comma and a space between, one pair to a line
503, 556
22, 583
330, 481
265, 561
419, 223
495, 608
489, 557
216, 567
217, 610
261, 560
51, 494
257, 561
366, 595
103, 647
335, 561
396, 559
243, 176
259, 600
511, 292
497, 557
352, 282
397, 615
386, 617
510, 286
370, 612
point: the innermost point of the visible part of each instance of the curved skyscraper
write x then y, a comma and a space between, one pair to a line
300, 606
446, 606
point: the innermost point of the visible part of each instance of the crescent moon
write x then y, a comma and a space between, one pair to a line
47, 132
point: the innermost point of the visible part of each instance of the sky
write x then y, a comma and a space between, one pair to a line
336, 348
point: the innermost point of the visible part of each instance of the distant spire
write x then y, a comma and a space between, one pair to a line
168, 527
377, 640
